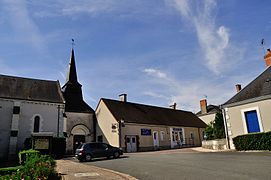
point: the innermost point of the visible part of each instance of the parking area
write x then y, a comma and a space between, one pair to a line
190, 164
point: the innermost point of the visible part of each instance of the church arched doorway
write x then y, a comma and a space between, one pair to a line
79, 133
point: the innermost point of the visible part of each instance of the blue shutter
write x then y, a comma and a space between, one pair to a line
252, 121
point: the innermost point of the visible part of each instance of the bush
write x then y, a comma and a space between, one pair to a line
36, 167
253, 141
24, 155
9, 170
215, 130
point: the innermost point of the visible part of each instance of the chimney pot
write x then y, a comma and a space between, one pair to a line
267, 58
238, 87
123, 97
203, 106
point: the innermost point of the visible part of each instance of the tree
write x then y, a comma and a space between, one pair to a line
215, 130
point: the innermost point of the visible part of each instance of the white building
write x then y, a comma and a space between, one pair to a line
28, 106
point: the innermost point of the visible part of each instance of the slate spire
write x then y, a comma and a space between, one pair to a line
72, 75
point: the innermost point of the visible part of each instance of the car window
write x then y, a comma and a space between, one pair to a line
80, 146
105, 146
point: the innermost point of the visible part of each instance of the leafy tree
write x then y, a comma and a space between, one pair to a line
215, 130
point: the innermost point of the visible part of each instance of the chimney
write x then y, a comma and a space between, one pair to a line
123, 97
173, 106
203, 106
267, 58
238, 87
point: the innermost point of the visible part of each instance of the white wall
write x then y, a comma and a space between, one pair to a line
235, 120
48, 113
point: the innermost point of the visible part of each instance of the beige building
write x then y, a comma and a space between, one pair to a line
138, 127
207, 112
249, 110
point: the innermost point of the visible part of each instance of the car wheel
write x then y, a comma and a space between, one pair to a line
88, 157
116, 154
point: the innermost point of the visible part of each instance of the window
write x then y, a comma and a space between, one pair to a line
36, 124
100, 138
16, 110
162, 134
173, 137
192, 135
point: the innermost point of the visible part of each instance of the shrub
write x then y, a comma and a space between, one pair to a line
215, 130
253, 141
9, 170
24, 155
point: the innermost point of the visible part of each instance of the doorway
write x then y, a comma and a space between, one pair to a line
131, 143
155, 139
77, 140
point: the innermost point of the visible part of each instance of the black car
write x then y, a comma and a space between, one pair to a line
87, 151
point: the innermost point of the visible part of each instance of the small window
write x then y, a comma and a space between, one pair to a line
192, 135
128, 140
16, 110
100, 138
37, 124
173, 137
14, 133
162, 134
133, 140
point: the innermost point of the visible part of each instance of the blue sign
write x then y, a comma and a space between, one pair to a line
146, 132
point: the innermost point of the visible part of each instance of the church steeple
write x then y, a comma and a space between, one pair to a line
72, 75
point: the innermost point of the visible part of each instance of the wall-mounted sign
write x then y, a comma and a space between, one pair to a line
146, 132
42, 143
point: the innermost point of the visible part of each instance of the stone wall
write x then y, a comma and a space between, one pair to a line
217, 144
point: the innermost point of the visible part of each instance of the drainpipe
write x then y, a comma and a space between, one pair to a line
225, 126
58, 109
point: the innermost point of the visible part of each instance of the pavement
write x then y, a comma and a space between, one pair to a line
71, 170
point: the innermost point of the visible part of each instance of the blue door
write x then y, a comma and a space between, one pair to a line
252, 121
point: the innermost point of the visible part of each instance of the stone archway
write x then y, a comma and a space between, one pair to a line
79, 133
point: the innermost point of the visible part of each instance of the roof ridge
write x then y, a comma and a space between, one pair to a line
146, 105
27, 78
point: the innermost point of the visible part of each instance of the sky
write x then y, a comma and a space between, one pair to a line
156, 51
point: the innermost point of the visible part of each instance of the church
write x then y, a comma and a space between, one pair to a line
40, 107
80, 121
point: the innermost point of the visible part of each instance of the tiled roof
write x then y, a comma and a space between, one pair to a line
261, 86
30, 89
145, 114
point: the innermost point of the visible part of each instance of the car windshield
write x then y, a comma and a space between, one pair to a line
80, 146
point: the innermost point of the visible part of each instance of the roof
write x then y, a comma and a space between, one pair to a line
211, 109
12, 87
146, 114
259, 87
72, 91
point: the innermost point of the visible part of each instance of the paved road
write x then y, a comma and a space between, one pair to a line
187, 164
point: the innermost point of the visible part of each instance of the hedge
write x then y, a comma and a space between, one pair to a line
26, 154
9, 170
253, 141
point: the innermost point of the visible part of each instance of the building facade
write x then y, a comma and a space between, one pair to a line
80, 124
27, 107
137, 127
248, 111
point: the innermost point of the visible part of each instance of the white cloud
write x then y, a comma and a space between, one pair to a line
155, 73
214, 40
23, 25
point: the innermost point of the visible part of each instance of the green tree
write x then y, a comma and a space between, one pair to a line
215, 130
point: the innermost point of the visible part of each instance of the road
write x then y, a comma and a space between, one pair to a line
188, 164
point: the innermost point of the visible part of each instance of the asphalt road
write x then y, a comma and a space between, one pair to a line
185, 164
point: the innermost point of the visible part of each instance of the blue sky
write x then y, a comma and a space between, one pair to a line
156, 51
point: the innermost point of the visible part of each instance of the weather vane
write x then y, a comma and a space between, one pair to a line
73, 44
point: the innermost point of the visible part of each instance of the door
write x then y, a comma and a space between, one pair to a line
155, 139
252, 121
131, 143
77, 140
